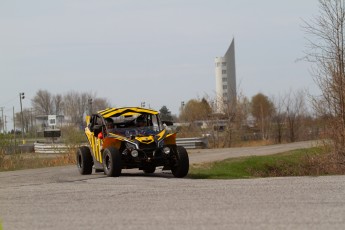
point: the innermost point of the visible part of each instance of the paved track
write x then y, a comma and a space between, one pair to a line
60, 198
207, 155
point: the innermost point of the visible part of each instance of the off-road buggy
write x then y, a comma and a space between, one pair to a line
130, 137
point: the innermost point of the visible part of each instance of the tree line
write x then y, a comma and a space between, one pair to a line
277, 119
72, 105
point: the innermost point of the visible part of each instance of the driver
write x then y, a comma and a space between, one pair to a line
109, 123
141, 121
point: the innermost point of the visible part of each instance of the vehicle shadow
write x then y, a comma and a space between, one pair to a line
138, 173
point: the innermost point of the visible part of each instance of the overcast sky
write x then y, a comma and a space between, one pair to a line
158, 51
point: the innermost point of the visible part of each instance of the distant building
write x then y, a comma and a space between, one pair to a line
226, 79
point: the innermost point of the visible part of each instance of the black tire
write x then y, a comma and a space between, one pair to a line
112, 162
182, 164
84, 160
150, 169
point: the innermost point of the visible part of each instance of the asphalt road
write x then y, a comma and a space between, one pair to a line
209, 155
60, 198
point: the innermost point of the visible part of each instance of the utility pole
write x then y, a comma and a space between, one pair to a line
21, 97
31, 123
14, 133
5, 123
2, 119
90, 106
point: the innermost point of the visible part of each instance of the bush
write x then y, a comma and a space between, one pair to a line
72, 136
4, 145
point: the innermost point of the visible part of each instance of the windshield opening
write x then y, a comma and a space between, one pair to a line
138, 124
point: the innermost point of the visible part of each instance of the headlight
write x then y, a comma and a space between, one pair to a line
166, 150
134, 153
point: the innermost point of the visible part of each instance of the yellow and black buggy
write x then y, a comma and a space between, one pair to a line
130, 137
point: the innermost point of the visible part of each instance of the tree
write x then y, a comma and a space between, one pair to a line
326, 53
262, 110
58, 104
27, 120
100, 104
279, 118
295, 109
195, 110
235, 113
43, 102
75, 106
165, 114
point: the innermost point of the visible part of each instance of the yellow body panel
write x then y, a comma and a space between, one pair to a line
170, 139
127, 111
95, 144
111, 142
146, 139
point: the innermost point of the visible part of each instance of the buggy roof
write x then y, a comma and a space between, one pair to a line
125, 111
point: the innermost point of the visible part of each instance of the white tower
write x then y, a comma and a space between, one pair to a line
226, 79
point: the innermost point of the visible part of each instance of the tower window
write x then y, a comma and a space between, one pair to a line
223, 71
223, 63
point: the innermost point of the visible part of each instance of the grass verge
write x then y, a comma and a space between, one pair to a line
21, 161
302, 162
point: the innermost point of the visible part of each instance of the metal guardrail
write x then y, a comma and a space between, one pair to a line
193, 142
188, 143
50, 148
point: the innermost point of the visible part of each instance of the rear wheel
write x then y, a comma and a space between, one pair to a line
84, 160
181, 168
112, 162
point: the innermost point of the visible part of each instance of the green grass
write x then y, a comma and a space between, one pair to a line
0, 224
293, 163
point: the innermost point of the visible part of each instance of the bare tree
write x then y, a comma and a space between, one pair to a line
279, 118
43, 102
75, 106
58, 104
27, 120
326, 52
295, 110
100, 104
262, 110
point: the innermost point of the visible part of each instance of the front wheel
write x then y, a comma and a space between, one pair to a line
112, 162
84, 160
181, 168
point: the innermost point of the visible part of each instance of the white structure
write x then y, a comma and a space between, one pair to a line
226, 79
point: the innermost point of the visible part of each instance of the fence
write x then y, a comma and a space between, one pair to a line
193, 142
50, 148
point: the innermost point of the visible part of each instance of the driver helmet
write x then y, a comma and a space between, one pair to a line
141, 121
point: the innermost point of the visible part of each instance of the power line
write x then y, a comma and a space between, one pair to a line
6, 102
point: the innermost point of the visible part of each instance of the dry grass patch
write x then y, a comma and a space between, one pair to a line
20, 161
